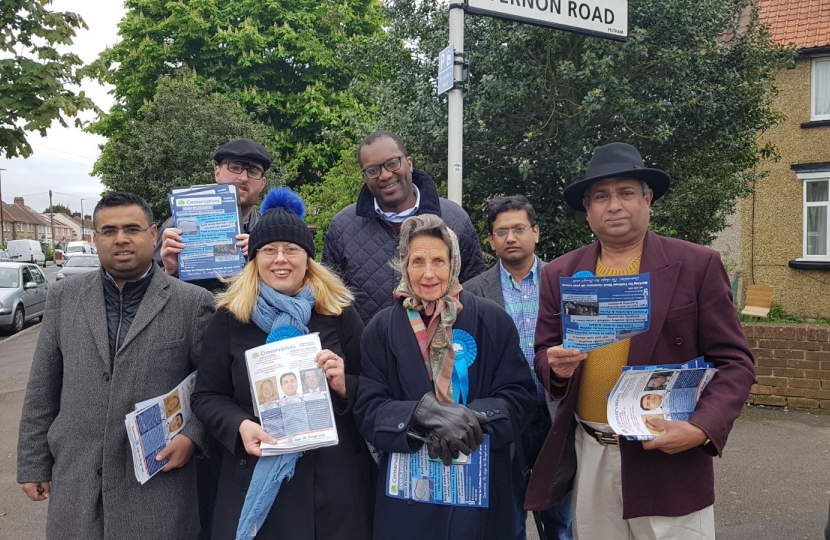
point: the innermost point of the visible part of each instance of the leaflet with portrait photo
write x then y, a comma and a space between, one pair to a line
154, 423
669, 392
209, 218
418, 478
598, 311
291, 396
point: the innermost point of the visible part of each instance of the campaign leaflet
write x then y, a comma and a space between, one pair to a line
418, 478
669, 392
300, 416
208, 217
597, 311
153, 425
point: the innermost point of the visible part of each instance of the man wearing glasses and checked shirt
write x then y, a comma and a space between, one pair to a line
363, 237
513, 283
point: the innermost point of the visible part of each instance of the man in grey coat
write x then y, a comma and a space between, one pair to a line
110, 339
513, 284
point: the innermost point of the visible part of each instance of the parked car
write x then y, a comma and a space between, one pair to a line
4, 256
79, 263
29, 251
23, 292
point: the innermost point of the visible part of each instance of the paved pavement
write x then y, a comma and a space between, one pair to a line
773, 482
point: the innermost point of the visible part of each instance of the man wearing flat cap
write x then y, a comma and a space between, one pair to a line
244, 162
615, 493
240, 161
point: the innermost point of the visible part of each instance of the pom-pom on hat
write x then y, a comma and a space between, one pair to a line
281, 221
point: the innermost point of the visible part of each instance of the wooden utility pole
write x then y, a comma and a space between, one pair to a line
52, 222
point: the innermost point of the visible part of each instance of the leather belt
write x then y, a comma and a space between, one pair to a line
601, 437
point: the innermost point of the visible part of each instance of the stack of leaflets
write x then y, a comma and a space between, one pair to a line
418, 478
208, 217
597, 311
154, 423
290, 395
667, 391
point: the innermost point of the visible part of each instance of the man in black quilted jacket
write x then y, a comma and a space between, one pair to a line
363, 237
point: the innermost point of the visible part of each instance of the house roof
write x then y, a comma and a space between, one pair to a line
806, 23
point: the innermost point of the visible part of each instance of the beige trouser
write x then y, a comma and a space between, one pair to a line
598, 507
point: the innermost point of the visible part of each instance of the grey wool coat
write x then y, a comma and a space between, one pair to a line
72, 431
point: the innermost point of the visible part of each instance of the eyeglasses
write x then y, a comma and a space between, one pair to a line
129, 230
392, 164
254, 172
289, 251
518, 231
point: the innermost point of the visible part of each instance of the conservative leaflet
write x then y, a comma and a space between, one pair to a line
208, 217
299, 416
154, 423
597, 311
418, 478
669, 392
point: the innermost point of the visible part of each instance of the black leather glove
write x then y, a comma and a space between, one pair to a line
454, 428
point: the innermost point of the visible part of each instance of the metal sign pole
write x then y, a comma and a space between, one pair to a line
455, 122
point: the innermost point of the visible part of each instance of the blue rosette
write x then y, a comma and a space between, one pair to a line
282, 332
466, 350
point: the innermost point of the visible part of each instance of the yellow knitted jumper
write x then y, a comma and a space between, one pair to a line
603, 366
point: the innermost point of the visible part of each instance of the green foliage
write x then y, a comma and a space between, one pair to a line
778, 315
48, 253
172, 141
339, 188
35, 79
289, 63
688, 89
57, 208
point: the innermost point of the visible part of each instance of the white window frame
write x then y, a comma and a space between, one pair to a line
806, 178
813, 116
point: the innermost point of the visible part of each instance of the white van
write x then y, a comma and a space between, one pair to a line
79, 247
26, 251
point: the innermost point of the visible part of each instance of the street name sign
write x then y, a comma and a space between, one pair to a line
446, 61
602, 18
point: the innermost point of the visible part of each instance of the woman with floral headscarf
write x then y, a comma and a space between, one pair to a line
441, 368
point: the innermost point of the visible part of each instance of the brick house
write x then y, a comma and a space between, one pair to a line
783, 227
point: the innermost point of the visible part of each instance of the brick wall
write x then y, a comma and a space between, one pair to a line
792, 364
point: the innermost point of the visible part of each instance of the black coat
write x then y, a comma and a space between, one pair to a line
359, 245
394, 379
331, 494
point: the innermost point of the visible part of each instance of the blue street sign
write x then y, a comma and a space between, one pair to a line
446, 60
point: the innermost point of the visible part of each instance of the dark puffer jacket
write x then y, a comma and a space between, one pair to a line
359, 245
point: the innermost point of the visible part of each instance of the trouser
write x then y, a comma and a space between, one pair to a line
598, 504
556, 521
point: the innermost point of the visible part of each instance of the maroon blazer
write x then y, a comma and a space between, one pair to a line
691, 315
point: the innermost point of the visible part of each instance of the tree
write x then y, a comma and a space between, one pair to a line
35, 79
57, 209
287, 63
691, 89
172, 141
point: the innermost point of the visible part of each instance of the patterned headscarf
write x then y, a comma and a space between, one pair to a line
435, 338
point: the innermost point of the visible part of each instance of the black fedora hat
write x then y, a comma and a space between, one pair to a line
616, 160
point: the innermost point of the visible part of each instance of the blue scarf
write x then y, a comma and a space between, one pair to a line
272, 310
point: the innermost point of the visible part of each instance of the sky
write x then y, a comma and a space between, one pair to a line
62, 161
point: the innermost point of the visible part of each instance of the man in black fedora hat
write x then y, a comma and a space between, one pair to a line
615, 496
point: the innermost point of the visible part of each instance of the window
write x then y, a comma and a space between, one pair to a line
27, 277
816, 210
39, 279
820, 90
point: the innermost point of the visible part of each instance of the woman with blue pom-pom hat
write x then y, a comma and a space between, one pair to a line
325, 493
